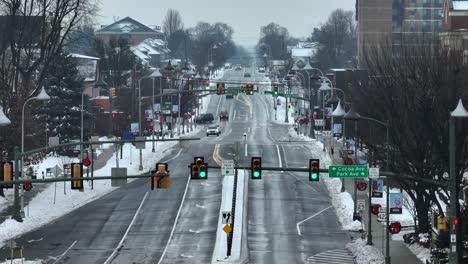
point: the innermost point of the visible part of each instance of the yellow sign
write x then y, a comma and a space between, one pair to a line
276, 67
227, 229
441, 223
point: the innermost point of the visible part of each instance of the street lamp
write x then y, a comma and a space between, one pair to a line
353, 115
323, 88
155, 74
42, 96
340, 112
459, 112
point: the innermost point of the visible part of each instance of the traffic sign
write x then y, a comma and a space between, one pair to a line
382, 217
382, 209
227, 217
361, 204
351, 171
56, 170
140, 145
86, 162
327, 133
374, 172
227, 167
227, 229
361, 186
318, 122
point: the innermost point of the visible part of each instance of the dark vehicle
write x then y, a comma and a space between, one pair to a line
204, 118
224, 115
247, 75
229, 96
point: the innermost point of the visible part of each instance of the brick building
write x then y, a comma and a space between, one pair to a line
455, 27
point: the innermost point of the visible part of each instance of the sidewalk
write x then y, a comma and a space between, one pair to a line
399, 253
99, 163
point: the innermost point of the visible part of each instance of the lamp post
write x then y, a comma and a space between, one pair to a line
154, 75
353, 115
340, 112
459, 112
42, 96
170, 69
323, 88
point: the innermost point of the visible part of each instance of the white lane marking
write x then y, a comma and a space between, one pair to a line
120, 245
64, 253
219, 103
310, 217
175, 221
279, 157
246, 150
234, 116
285, 157
175, 157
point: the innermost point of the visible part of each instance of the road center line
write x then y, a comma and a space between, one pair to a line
279, 156
246, 150
310, 217
120, 245
64, 253
175, 221
219, 103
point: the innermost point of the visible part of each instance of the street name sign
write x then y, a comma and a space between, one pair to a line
227, 167
348, 171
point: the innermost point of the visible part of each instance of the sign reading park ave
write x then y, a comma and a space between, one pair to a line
349, 171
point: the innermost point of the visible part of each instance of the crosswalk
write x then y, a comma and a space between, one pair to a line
336, 256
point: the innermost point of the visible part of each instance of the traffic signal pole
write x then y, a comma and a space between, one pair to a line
453, 254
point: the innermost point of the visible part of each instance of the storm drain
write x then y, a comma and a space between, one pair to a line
336, 256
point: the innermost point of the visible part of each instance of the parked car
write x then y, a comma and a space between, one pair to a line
224, 115
238, 67
213, 130
246, 75
229, 96
204, 118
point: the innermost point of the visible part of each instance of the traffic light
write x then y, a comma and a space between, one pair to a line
249, 89
112, 92
7, 173
220, 88
256, 173
455, 222
199, 169
395, 227
159, 181
314, 170
114, 115
275, 90
77, 173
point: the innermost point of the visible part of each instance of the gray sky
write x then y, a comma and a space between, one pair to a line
245, 16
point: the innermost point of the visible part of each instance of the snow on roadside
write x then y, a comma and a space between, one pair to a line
365, 254
57, 200
19, 261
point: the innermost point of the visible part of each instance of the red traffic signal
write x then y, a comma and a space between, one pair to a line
361, 186
455, 221
376, 208
27, 186
114, 115
86, 162
395, 227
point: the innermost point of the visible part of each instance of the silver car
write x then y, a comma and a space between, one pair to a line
213, 130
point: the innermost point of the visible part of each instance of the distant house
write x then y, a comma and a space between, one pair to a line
129, 29
304, 51
454, 35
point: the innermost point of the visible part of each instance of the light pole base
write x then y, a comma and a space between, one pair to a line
140, 168
153, 150
387, 260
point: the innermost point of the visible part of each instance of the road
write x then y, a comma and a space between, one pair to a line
178, 225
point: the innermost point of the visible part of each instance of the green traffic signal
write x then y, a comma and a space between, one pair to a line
202, 174
251, 92
313, 176
276, 92
256, 174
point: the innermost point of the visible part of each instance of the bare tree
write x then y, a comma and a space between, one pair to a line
33, 35
415, 87
172, 22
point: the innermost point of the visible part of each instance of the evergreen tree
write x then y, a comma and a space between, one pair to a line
63, 111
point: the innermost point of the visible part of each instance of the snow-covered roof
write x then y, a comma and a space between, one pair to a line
127, 25
460, 5
303, 52
80, 56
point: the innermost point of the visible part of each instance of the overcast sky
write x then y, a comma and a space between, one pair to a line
245, 16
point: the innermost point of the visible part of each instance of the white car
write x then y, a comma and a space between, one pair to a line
213, 130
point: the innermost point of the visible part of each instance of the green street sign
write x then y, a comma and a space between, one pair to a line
348, 171
290, 95
233, 90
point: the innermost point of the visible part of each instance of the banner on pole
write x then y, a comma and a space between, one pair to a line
377, 188
396, 203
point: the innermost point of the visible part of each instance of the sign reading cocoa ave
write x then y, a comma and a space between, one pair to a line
350, 171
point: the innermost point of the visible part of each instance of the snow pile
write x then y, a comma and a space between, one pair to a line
420, 252
365, 254
354, 226
19, 261
57, 199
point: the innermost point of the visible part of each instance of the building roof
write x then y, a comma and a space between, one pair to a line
126, 25
149, 47
460, 5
